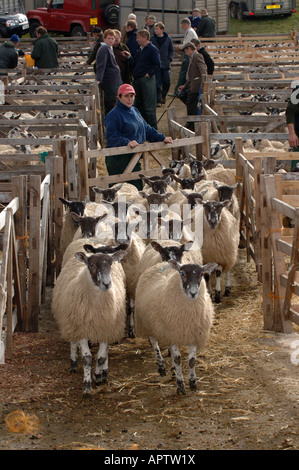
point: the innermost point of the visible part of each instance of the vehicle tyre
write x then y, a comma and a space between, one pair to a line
240, 9
33, 27
233, 10
111, 15
77, 31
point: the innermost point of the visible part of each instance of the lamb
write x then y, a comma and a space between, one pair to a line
109, 194
173, 308
220, 241
89, 304
69, 226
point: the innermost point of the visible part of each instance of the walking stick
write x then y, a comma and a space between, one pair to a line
175, 96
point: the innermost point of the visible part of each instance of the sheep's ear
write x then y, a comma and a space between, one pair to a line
118, 255
143, 194
184, 193
156, 246
209, 268
202, 193
97, 190
89, 248
122, 247
174, 264
186, 246
75, 217
226, 203
167, 196
64, 201
101, 217
81, 257
117, 188
199, 201
235, 186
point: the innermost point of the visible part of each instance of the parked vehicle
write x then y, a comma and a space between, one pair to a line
74, 17
12, 19
241, 10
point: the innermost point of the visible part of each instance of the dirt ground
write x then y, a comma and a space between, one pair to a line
247, 392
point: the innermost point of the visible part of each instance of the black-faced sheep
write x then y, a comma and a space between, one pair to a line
221, 236
89, 304
173, 308
69, 225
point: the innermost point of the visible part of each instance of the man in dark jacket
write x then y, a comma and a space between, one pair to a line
146, 63
108, 72
9, 54
45, 50
97, 34
207, 25
208, 59
122, 55
164, 44
131, 42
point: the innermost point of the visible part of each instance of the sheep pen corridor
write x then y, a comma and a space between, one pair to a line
246, 398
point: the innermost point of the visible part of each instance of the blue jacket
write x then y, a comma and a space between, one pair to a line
124, 124
132, 43
166, 49
146, 60
108, 72
194, 21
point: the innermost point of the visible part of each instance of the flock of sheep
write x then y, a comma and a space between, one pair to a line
139, 263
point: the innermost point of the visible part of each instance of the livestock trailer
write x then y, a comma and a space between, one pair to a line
171, 12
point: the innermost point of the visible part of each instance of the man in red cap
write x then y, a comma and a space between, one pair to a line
126, 127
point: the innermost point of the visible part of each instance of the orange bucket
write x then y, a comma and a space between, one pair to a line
29, 61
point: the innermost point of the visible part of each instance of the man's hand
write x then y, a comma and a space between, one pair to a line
168, 140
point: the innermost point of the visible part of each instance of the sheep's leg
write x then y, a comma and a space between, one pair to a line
192, 362
227, 283
159, 358
101, 371
177, 361
73, 358
218, 285
208, 283
130, 319
87, 360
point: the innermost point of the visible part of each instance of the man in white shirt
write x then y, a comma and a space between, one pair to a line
189, 34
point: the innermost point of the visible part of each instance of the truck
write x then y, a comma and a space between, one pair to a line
254, 8
13, 19
74, 17
171, 12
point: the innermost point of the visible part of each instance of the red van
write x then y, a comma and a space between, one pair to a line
74, 17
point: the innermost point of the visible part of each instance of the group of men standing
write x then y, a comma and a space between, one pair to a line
148, 54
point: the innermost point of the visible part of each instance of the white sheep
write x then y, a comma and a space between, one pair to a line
173, 308
221, 236
89, 304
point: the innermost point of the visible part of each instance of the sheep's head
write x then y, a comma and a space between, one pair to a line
196, 168
174, 252
108, 194
87, 224
191, 276
225, 192
99, 267
75, 206
213, 210
188, 183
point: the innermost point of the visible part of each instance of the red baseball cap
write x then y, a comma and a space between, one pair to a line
125, 89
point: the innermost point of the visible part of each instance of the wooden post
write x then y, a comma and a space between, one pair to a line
58, 183
266, 256
19, 189
258, 170
83, 168
239, 170
71, 179
34, 253
205, 133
